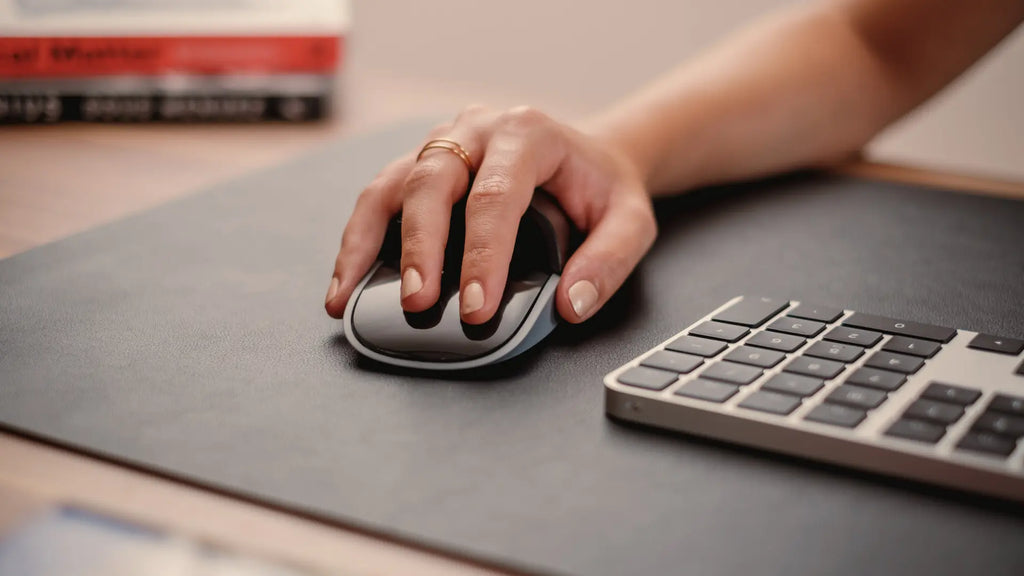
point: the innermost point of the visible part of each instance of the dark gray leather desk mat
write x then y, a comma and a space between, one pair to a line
191, 340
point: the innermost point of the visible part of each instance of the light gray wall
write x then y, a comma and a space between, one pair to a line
584, 54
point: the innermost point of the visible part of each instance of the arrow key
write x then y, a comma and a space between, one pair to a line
998, 344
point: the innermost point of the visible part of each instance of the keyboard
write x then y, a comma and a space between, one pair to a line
895, 397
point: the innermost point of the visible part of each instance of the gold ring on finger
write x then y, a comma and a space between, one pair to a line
451, 146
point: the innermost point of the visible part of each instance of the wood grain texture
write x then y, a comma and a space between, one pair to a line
933, 178
35, 475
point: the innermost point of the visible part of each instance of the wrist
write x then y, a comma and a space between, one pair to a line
649, 145
623, 141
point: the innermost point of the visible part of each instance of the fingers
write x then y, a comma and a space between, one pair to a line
521, 154
603, 262
500, 195
434, 184
424, 189
364, 233
524, 149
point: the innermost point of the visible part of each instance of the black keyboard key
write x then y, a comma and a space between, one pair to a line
720, 331
673, 361
776, 341
987, 443
912, 346
836, 415
755, 356
707, 390
648, 378
797, 326
857, 397
819, 313
934, 411
1020, 369
901, 327
732, 373
917, 430
1004, 424
949, 393
991, 343
751, 311
834, 351
771, 402
895, 362
698, 346
879, 379
824, 369
866, 338
1007, 404
793, 384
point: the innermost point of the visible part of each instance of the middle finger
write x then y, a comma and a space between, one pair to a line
437, 180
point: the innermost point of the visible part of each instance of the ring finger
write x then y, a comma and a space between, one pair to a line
438, 179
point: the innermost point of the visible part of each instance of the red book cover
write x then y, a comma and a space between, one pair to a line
77, 57
168, 60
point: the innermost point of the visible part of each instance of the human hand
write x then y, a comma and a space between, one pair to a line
516, 151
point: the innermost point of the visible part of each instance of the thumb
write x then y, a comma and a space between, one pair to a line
602, 263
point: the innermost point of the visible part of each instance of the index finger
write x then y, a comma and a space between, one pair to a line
364, 233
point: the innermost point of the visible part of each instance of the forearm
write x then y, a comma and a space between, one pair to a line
803, 88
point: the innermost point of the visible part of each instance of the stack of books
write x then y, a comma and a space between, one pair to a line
169, 60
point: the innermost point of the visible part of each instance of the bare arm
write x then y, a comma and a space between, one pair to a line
805, 87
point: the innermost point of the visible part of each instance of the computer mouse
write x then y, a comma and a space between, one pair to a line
437, 339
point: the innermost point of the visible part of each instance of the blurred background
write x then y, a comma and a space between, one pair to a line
392, 60
576, 57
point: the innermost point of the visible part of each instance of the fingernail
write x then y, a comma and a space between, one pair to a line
412, 282
472, 298
582, 296
333, 290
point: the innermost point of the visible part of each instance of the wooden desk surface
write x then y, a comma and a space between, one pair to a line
59, 180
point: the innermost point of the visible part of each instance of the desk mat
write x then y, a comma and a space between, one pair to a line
191, 340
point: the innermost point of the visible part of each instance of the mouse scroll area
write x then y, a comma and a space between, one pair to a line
438, 333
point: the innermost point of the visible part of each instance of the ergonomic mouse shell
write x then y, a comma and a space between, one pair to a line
437, 339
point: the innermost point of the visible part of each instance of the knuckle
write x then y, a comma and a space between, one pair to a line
479, 255
491, 188
512, 148
425, 171
523, 117
641, 212
645, 215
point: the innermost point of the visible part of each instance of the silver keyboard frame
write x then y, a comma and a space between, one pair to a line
864, 447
